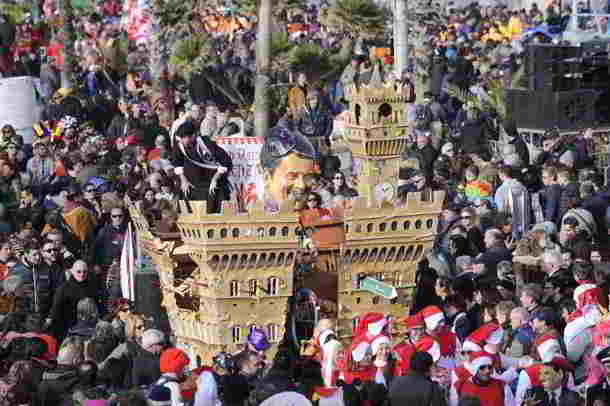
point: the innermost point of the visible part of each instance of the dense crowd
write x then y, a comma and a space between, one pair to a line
511, 303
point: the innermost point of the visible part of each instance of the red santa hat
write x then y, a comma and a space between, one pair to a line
372, 324
479, 359
429, 345
490, 333
360, 345
378, 341
549, 351
586, 294
432, 316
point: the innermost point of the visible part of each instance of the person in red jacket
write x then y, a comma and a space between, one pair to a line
416, 340
490, 391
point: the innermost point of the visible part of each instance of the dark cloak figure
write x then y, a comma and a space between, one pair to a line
200, 160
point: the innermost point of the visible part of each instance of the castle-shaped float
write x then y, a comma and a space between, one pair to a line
226, 273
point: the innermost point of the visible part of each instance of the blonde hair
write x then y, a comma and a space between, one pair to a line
131, 321
72, 351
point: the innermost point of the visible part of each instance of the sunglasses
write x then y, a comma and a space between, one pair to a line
52, 250
338, 177
466, 217
116, 216
312, 200
90, 190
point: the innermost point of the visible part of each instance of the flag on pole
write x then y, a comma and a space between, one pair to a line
128, 266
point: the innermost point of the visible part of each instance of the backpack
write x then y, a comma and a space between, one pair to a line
160, 383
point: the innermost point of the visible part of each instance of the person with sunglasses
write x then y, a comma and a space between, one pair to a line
40, 284
339, 187
470, 221
80, 285
51, 261
313, 210
490, 391
108, 244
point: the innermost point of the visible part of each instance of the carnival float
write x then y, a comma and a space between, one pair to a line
225, 273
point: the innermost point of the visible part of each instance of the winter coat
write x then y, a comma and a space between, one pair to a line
415, 389
63, 311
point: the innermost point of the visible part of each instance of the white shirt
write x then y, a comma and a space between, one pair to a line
207, 391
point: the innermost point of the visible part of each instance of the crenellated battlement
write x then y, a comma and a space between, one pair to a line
390, 92
257, 228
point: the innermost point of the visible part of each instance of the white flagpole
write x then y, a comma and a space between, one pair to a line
127, 264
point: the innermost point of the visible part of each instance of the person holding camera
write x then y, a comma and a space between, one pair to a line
210, 388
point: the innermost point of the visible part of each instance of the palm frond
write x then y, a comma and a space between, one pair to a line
185, 52
311, 59
359, 16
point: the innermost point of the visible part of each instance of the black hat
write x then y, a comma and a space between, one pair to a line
604, 355
73, 190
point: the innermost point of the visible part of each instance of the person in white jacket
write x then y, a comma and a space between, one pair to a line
208, 393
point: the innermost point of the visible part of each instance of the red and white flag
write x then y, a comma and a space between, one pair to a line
128, 266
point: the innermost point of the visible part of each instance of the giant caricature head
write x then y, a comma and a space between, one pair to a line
287, 158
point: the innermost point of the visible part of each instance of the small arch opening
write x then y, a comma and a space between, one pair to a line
418, 251
400, 253
409, 253
364, 255
382, 255
234, 260
391, 254
262, 260
373, 256
253, 261
213, 263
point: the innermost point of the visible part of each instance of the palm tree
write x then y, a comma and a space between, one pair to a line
357, 16
69, 38
263, 70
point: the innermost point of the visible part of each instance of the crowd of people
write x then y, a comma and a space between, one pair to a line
511, 303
